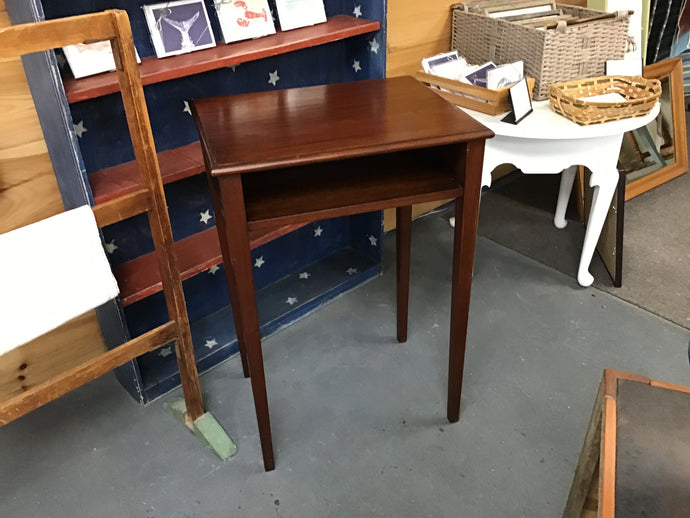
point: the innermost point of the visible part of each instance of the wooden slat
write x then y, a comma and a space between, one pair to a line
140, 278
29, 193
670, 386
607, 462
258, 238
612, 376
27, 38
37, 361
175, 164
140, 132
67, 381
154, 70
122, 208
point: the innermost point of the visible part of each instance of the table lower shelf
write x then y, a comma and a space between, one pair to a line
215, 338
298, 194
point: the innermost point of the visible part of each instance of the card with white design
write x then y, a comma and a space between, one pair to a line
244, 19
179, 27
293, 14
87, 59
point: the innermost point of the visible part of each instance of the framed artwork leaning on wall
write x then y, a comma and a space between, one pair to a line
657, 153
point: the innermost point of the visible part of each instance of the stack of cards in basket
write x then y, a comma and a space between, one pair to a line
453, 66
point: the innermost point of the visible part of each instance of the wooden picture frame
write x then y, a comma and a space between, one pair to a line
657, 153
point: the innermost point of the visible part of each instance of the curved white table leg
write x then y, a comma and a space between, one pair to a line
567, 180
604, 184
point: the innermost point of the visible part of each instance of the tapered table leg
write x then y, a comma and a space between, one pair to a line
238, 266
466, 219
403, 229
214, 189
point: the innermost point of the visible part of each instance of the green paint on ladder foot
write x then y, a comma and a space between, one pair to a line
206, 429
211, 432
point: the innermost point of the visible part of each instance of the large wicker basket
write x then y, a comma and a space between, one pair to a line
570, 51
640, 95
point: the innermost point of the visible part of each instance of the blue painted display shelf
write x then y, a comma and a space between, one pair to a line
90, 137
215, 339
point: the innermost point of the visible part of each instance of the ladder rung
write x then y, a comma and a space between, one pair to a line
122, 208
63, 383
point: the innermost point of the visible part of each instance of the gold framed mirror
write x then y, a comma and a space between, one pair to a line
658, 152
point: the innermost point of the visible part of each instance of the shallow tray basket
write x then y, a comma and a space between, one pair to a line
640, 94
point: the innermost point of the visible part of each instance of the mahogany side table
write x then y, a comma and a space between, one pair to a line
293, 156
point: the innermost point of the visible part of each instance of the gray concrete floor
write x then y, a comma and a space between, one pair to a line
358, 419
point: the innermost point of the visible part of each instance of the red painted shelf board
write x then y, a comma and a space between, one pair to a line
176, 164
140, 277
155, 70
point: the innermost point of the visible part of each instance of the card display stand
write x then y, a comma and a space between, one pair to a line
93, 160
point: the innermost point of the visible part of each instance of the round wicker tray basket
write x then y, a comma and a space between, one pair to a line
640, 97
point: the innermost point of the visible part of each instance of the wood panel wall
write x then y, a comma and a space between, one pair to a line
415, 30
28, 193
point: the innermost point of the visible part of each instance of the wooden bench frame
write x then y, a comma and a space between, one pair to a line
593, 491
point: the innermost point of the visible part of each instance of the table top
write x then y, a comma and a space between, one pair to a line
281, 128
545, 124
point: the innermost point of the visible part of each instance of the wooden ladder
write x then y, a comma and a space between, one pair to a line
113, 25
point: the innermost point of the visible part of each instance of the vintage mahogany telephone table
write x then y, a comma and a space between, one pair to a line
293, 156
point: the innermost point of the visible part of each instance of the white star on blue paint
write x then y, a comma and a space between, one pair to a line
79, 128
374, 46
351, 271
166, 351
111, 247
273, 77
304, 275
187, 109
372, 240
259, 262
291, 300
205, 216
318, 231
210, 343
213, 269
356, 66
358, 11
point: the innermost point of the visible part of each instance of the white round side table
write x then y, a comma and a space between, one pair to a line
548, 143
